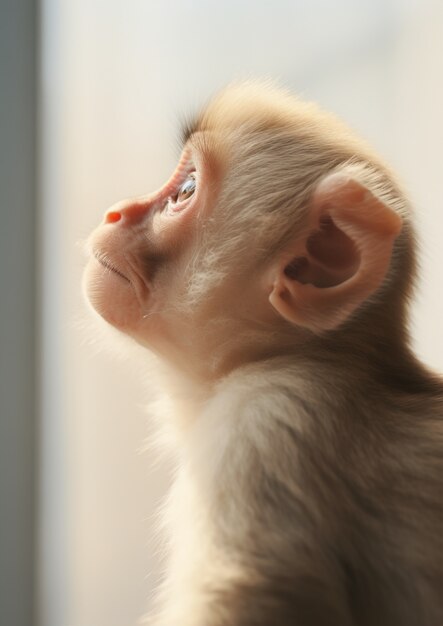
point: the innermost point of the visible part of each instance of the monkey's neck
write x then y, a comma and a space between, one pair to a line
343, 369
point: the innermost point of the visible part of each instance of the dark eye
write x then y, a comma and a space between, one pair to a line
186, 190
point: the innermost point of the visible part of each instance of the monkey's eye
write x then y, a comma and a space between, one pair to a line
186, 190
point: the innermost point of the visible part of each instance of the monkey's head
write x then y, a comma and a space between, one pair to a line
277, 225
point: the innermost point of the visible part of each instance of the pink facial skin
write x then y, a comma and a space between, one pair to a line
138, 239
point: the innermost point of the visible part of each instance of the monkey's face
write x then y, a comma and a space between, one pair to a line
144, 257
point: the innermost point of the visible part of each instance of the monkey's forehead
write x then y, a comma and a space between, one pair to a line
250, 107
259, 104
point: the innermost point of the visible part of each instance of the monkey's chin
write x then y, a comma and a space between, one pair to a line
111, 295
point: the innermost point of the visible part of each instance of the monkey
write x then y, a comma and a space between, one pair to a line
271, 276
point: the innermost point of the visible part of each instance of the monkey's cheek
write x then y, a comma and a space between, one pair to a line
111, 296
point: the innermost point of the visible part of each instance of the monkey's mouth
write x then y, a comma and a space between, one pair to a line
109, 266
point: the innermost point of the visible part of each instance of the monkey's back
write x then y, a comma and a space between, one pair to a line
375, 469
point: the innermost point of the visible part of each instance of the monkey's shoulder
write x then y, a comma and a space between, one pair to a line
355, 449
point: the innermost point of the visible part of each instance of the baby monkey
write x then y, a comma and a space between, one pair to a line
272, 274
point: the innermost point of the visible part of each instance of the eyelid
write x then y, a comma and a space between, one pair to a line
184, 167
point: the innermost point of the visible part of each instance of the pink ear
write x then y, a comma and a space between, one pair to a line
324, 278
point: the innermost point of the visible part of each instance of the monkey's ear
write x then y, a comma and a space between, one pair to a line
322, 278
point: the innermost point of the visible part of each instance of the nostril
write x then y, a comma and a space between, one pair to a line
113, 216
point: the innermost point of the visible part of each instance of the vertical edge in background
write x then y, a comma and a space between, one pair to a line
51, 562
17, 310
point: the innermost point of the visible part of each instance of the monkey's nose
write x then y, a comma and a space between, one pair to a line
128, 212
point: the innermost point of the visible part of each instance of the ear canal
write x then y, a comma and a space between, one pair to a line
332, 257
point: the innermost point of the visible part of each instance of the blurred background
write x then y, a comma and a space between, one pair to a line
91, 93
